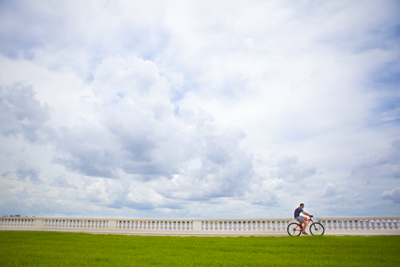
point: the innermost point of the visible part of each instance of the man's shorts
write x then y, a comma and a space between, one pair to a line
300, 219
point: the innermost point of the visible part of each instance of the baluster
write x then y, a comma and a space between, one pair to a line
340, 224
373, 224
384, 224
367, 224
378, 224
357, 223
395, 223
263, 225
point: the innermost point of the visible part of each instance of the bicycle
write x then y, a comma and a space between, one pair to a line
316, 228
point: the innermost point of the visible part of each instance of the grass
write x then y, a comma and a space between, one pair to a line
78, 249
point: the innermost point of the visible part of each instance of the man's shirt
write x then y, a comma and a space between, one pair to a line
297, 212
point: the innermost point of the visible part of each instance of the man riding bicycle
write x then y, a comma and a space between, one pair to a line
300, 219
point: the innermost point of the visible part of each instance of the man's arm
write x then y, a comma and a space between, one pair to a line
305, 213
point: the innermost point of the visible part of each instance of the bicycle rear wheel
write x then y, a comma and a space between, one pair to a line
317, 229
294, 229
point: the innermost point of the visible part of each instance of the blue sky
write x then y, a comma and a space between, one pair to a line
199, 109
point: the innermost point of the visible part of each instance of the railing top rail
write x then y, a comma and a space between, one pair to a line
209, 219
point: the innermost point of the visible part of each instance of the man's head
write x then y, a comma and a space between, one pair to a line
301, 205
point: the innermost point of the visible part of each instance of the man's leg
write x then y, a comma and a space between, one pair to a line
304, 226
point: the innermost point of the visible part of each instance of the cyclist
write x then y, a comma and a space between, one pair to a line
300, 219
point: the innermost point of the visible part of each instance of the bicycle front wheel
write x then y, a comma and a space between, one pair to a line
294, 229
317, 229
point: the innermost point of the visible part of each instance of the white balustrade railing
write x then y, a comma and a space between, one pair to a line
333, 225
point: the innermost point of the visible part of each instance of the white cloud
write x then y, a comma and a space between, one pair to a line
168, 108
386, 165
392, 195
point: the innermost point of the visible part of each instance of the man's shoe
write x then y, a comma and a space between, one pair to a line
304, 233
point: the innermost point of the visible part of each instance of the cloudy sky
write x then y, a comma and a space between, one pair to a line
199, 109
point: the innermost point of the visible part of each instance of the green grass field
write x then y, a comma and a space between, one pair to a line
77, 249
